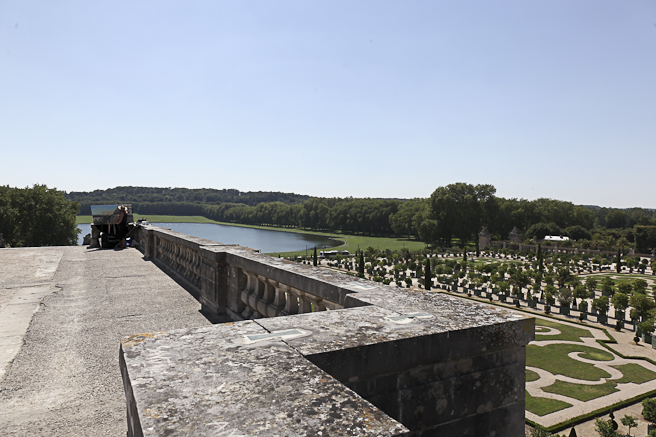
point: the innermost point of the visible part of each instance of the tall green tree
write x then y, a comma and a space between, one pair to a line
649, 410
591, 285
461, 209
428, 275
605, 428
629, 422
620, 301
37, 216
616, 218
601, 305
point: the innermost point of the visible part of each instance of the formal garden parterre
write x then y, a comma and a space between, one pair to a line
571, 373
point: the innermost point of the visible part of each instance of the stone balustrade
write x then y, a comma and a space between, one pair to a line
181, 258
254, 290
314, 352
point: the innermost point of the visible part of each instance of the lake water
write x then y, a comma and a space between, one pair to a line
266, 241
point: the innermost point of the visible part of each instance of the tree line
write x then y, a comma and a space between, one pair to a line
150, 195
452, 214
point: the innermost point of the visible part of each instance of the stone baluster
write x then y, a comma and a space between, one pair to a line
166, 252
316, 301
255, 296
251, 285
175, 256
180, 259
196, 267
268, 294
305, 304
183, 258
279, 300
291, 302
188, 263
331, 305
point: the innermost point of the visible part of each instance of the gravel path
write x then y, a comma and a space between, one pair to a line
65, 380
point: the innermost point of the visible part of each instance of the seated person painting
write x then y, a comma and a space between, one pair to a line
111, 225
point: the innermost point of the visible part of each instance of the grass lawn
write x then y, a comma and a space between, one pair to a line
631, 373
628, 280
351, 242
542, 406
569, 333
623, 277
639, 276
553, 358
531, 376
499, 261
634, 373
581, 392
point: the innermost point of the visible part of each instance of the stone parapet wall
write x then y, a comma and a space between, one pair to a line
374, 360
240, 281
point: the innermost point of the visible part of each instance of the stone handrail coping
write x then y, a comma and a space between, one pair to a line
213, 375
209, 381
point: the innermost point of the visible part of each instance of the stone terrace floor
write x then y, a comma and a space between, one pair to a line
60, 375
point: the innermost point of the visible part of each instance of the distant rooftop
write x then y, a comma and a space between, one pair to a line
555, 238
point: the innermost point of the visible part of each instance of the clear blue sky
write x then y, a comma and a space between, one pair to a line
367, 99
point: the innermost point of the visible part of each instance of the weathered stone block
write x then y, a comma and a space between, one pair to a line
217, 381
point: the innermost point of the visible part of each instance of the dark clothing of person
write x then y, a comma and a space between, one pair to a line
122, 227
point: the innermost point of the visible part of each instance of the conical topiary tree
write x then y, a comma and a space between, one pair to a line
314, 257
361, 265
572, 433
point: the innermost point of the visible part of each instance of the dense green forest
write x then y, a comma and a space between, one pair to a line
37, 216
454, 213
148, 195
